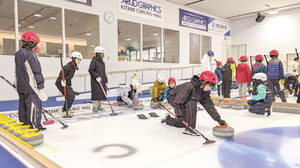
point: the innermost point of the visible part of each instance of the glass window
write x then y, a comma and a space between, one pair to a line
206, 45
194, 48
171, 46
45, 21
128, 41
7, 28
151, 44
82, 33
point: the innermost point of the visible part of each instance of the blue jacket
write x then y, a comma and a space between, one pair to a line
289, 82
218, 73
166, 93
275, 69
259, 67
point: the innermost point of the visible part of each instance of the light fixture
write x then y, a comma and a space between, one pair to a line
19, 25
31, 27
55, 41
7, 37
92, 45
88, 34
53, 18
273, 11
128, 39
37, 15
155, 34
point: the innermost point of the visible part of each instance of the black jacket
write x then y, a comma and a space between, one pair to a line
191, 91
97, 69
28, 71
69, 71
226, 73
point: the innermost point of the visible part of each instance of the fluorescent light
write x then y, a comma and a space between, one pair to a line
19, 25
53, 18
273, 11
88, 34
128, 39
55, 41
155, 34
31, 27
7, 37
92, 45
37, 15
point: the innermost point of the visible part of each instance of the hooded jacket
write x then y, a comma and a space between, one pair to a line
158, 89
259, 67
243, 73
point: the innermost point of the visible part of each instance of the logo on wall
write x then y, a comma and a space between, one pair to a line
218, 26
142, 8
192, 20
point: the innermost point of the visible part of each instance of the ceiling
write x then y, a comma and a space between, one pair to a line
236, 9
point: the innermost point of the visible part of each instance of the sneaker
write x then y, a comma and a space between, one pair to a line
167, 117
42, 129
63, 113
187, 131
268, 111
71, 113
95, 110
101, 110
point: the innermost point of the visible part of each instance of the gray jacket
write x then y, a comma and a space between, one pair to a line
128, 95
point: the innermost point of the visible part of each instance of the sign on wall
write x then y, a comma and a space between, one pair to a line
192, 20
84, 2
142, 8
218, 26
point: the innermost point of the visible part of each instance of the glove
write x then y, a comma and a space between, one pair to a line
282, 81
294, 70
291, 91
252, 92
221, 122
251, 95
98, 79
180, 118
220, 82
63, 83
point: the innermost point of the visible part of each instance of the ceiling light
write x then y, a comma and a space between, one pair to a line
128, 39
53, 18
155, 34
55, 41
274, 11
31, 27
19, 25
92, 45
37, 15
7, 37
88, 34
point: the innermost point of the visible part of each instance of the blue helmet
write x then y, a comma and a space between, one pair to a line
210, 53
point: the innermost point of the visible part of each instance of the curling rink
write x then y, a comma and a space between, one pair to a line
125, 141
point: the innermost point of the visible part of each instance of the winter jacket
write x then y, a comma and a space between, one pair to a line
205, 63
263, 94
275, 69
226, 71
128, 95
97, 69
289, 82
69, 71
166, 93
293, 67
28, 72
259, 67
191, 91
158, 89
243, 73
218, 73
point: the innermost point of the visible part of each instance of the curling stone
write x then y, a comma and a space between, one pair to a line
237, 105
225, 104
32, 137
14, 127
223, 131
138, 106
20, 130
8, 123
3, 120
153, 105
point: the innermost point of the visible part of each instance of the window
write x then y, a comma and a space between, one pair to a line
151, 44
206, 45
7, 28
194, 48
82, 33
129, 41
171, 46
45, 21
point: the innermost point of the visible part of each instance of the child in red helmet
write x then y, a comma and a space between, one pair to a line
184, 99
172, 84
243, 75
259, 66
228, 76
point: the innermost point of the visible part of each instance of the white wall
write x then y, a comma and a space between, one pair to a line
279, 31
109, 40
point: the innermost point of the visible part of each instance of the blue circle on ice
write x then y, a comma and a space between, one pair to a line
259, 148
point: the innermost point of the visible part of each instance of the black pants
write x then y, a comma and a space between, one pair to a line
70, 95
219, 86
257, 107
30, 108
226, 86
273, 85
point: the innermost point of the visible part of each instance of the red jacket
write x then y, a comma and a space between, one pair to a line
243, 73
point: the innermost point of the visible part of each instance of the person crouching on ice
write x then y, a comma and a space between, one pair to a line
172, 84
262, 98
158, 88
128, 96
184, 99
69, 71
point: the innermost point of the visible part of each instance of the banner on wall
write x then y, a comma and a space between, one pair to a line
142, 8
84, 2
192, 20
218, 26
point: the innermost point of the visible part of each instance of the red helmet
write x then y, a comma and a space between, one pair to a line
230, 59
259, 57
36, 49
172, 80
219, 63
30, 36
243, 58
209, 76
274, 52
